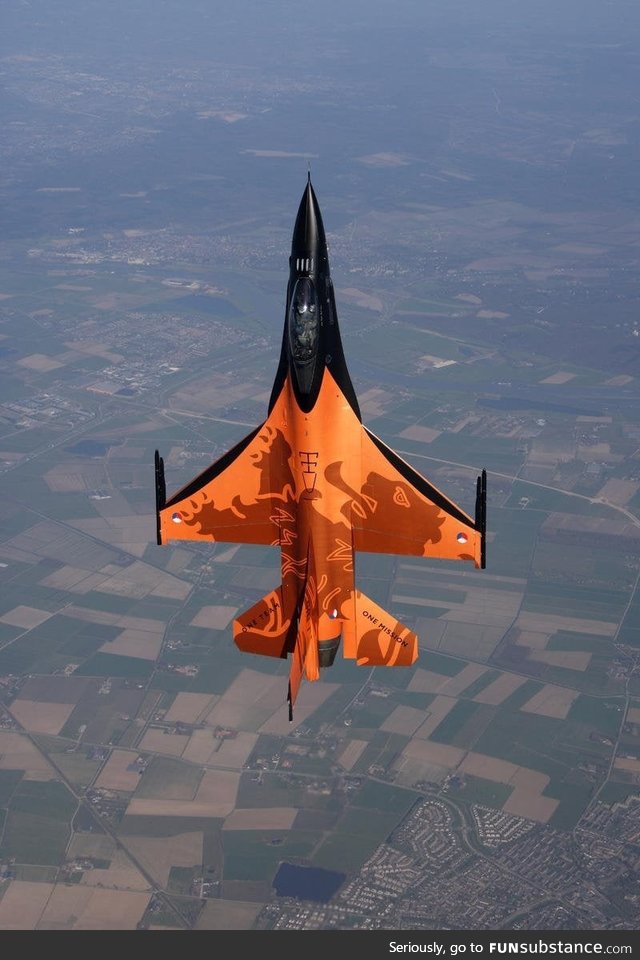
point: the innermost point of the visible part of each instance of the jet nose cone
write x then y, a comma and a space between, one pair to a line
308, 233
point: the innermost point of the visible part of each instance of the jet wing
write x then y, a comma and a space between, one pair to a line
400, 512
241, 498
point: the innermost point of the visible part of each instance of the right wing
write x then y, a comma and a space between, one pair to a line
241, 498
400, 512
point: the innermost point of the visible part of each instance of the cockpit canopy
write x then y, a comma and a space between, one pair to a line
304, 321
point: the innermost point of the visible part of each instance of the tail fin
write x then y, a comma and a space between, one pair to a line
265, 628
305, 652
374, 638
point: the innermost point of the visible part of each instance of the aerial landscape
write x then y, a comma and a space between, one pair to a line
476, 168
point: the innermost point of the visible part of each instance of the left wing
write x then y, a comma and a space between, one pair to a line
400, 512
241, 498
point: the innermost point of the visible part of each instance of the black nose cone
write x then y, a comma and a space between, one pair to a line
309, 241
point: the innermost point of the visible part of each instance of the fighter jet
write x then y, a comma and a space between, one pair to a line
313, 481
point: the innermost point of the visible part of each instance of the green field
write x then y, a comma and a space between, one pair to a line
169, 778
485, 793
34, 838
256, 854
112, 665
9, 780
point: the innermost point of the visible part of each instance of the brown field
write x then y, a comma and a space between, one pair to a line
115, 776
404, 720
226, 554
531, 806
633, 715
501, 688
251, 698
551, 451
481, 765
121, 874
428, 362
425, 681
468, 675
570, 659
551, 701
351, 753
434, 753
39, 362
535, 641
423, 760
630, 764
228, 915
596, 451
39, 717
178, 561
619, 381
26, 617
96, 616
214, 618
311, 696
367, 301
90, 583
158, 854
459, 639
134, 643
79, 907
526, 799
92, 845
22, 904
465, 422
231, 754
211, 393
257, 702
106, 387
618, 491
74, 477
190, 707
146, 624
436, 712
261, 818
374, 402
18, 753
66, 577
550, 623
216, 797
562, 376
94, 348
159, 741
139, 579
480, 606
421, 434
384, 160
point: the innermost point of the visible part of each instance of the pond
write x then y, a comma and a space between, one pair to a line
307, 883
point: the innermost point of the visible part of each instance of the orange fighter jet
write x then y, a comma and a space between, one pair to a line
313, 481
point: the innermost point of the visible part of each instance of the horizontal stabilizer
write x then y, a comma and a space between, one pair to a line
264, 628
375, 638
